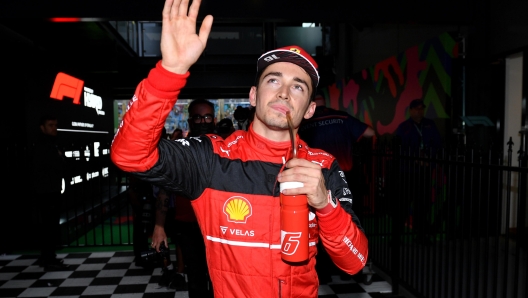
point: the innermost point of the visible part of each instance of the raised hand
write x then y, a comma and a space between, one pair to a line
180, 45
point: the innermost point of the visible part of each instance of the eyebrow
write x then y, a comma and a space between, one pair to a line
279, 74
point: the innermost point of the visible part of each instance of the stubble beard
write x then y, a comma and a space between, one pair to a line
274, 120
276, 123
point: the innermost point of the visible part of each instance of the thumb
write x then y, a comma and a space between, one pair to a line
205, 29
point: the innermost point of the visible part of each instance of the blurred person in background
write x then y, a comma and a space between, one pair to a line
47, 178
225, 128
336, 132
186, 231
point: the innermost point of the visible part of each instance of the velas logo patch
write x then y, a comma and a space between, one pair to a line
237, 209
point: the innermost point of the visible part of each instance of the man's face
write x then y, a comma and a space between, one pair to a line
417, 113
49, 128
199, 125
282, 87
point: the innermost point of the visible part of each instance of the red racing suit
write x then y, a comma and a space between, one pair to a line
234, 193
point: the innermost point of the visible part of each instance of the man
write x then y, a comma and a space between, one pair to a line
187, 235
202, 118
418, 133
140, 198
225, 128
243, 116
233, 184
48, 169
336, 132
420, 137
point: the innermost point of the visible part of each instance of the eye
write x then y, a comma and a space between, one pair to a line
299, 87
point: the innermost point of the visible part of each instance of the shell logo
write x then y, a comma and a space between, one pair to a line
237, 209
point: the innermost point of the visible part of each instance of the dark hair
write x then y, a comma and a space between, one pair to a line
224, 125
416, 103
241, 113
46, 118
199, 101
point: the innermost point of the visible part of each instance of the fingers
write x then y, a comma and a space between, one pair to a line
158, 237
302, 167
296, 162
304, 171
311, 176
167, 8
180, 44
193, 10
184, 7
178, 8
205, 29
157, 244
174, 8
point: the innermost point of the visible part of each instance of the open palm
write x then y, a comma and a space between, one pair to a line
180, 45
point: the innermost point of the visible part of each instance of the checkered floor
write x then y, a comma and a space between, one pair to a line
113, 274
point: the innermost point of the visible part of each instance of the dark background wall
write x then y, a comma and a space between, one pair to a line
357, 35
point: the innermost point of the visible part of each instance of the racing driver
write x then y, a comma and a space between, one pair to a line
233, 184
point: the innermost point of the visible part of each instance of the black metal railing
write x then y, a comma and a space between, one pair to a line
447, 222
93, 201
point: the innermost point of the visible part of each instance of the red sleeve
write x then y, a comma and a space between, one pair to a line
134, 148
345, 243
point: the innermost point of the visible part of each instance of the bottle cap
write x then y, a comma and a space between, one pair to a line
289, 185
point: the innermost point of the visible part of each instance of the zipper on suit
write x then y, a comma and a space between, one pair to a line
281, 282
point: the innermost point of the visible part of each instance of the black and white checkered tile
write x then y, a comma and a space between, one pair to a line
114, 275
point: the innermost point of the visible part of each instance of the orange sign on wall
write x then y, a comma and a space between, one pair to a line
67, 86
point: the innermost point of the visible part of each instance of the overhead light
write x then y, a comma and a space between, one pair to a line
65, 20
74, 20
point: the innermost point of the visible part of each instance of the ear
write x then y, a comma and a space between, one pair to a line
253, 96
42, 128
310, 111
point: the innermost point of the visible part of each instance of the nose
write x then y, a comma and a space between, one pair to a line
283, 92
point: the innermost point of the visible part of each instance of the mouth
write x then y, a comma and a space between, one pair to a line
283, 109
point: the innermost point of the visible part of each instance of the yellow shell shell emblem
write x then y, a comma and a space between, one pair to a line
237, 209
